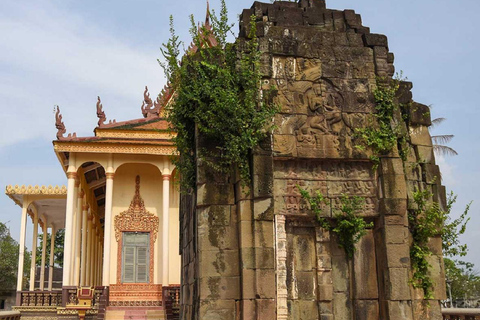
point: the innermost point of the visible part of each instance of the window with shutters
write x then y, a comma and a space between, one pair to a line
135, 257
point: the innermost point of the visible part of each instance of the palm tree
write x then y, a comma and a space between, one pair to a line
439, 141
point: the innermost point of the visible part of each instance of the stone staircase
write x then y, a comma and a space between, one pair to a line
134, 313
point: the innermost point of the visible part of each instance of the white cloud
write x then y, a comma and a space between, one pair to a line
59, 57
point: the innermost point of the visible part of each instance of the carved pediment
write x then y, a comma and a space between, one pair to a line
136, 218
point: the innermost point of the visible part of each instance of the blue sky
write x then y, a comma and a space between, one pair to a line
67, 52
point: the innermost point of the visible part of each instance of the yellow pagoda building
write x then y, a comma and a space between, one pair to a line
120, 214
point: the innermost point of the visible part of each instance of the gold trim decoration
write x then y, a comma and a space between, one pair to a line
133, 134
27, 190
110, 175
136, 218
71, 146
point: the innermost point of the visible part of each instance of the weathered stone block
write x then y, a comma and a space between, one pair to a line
265, 283
284, 145
208, 194
340, 274
217, 237
217, 309
264, 258
266, 308
391, 166
324, 277
398, 284
420, 136
431, 173
325, 307
400, 310
305, 285
393, 186
366, 310
396, 234
398, 255
341, 306
264, 234
372, 40
219, 288
220, 263
390, 206
263, 208
325, 292
365, 268
419, 114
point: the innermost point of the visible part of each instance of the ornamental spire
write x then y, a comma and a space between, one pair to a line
100, 113
61, 130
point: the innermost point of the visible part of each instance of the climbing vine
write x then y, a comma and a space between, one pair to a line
347, 225
217, 96
383, 137
428, 220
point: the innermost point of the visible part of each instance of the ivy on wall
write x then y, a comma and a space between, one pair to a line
347, 225
217, 97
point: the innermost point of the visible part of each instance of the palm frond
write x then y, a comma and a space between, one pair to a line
444, 150
437, 121
442, 139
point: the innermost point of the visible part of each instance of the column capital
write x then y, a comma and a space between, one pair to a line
85, 207
110, 175
166, 176
81, 193
71, 175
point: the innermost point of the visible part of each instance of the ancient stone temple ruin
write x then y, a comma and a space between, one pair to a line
254, 251
258, 252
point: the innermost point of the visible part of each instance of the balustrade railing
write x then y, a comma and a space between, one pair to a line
9, 315
461, 314
171, 302
40, 298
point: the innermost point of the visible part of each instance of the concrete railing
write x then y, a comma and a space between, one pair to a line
461, 314
9, 315
39, 298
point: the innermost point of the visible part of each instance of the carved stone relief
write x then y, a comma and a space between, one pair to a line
331, 178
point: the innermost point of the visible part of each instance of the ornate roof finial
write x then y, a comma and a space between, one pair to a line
207, 18
59, 124
100, 113
148, 108
61, 127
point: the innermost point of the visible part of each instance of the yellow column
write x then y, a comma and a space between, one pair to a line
92, 255
166, 207
108, 225
44, 253
70, 207
52, 258
84, 245
34, 250
21, 249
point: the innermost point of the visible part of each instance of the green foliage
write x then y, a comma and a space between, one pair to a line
452, 229
429, 220
425, 222
217, 95
348, 226
57, 250
385, 135
9, 260
463, 279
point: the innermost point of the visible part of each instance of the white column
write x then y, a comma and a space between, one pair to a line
44, 253
67, 254
84, 246
52, 258
21, 249
74, 233
92, 253
77, 242
166, 209
108, 227
34, 251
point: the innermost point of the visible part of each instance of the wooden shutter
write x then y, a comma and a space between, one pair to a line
136, 259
